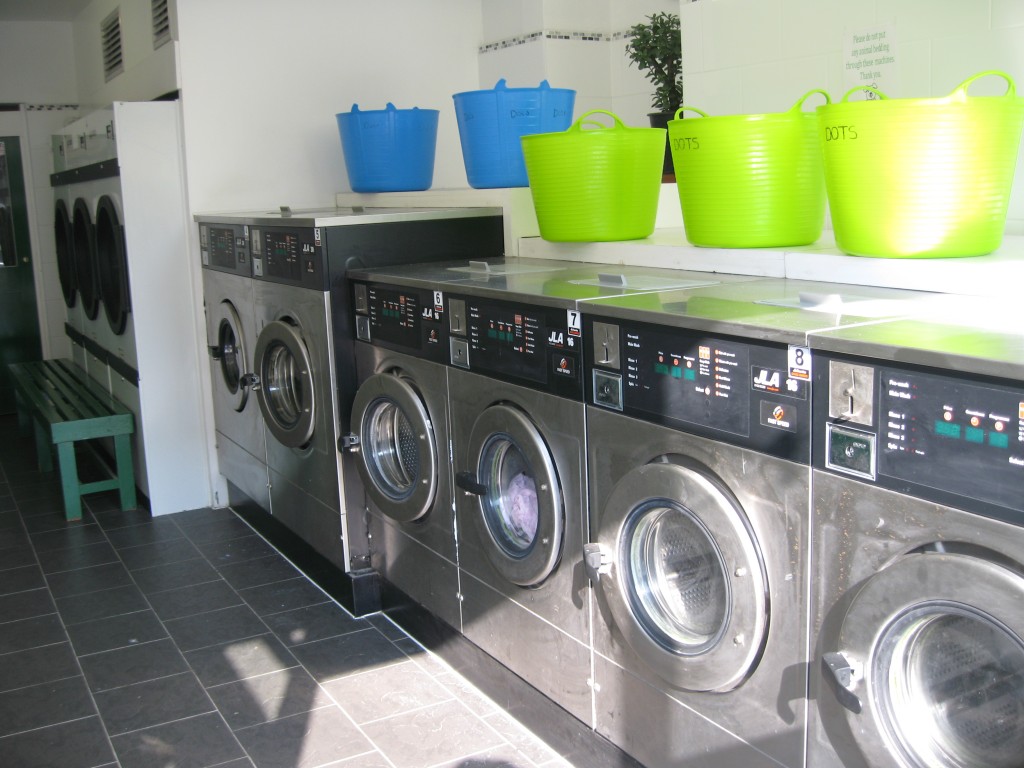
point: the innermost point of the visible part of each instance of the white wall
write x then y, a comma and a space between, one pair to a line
261, 84
752, 56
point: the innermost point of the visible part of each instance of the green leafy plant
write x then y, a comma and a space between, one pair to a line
657, 50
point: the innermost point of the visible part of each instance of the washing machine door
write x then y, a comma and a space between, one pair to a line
230, 352
285, 374
683, 575
521, 518
63, 237
112, 265
397, 454
85, 258
930, 663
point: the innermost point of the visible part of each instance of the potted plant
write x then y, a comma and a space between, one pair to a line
657, 50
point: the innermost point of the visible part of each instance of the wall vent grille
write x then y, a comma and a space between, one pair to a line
161, 23
112, 45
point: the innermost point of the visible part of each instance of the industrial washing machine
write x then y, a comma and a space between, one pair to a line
303, 370
918, 582
400, 441
231, 340
698, 433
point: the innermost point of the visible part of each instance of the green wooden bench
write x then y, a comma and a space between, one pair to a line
64, 406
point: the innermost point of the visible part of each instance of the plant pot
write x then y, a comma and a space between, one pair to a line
660, 120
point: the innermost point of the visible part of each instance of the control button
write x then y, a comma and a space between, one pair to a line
778, 416
363, 327
459, 352
850, 451
563, 365
608, 390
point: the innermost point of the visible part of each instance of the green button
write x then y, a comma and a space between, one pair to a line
690, 375
677, 372
998, 440
975, 435
946, 429
492, 334
661, 368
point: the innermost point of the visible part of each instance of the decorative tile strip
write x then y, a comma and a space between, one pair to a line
551, 34
49, 107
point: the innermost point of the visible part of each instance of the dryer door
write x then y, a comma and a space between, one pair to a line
85, 259
522, 520
398, 454
286, 392
112, 265
229, 350
684, 578
930, 663
63, 237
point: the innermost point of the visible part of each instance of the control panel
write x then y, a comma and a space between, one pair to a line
289, 255
225, 248
536, 346
729, 389
947, 438
404, 319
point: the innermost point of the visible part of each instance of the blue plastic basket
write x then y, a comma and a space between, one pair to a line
389, 150
491, 123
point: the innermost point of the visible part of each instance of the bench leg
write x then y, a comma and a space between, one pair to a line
69, 481
44, 457
125, 472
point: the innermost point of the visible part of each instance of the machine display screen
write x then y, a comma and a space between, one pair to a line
281, 252
953, 436
396, 316
222, 247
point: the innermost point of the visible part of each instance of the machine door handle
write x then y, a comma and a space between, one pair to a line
250, 380
348, 443
216, 352
843, 676
467, 481
596, 561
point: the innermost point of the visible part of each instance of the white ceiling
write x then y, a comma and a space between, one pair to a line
41, 10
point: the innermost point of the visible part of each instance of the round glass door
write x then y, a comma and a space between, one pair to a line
231, 352
286, 383
63, 240
521, 520
942, 638
85, 259
398, 454
687, 586
112, 265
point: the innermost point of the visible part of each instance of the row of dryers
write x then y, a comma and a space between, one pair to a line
659, 498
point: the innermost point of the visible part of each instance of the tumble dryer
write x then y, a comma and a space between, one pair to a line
231, 339
918, 582
698, 433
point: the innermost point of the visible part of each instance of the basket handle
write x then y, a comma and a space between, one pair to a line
685, 108
960, 92
849, 93
578, 125
800, 102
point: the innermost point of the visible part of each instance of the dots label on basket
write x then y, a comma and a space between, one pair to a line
685, 142
840, 132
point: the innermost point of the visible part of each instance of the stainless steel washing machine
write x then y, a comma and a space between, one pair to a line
231, 341
698, 428
401, 444
918, 582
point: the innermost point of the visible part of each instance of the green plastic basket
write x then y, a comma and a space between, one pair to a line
749, 181
921, 178
593, 182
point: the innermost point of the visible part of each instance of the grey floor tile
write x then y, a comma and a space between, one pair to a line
174, 575
283, 596
263, 570
239, 660
155, 702
386, 627
367, 760
31, 633
12, 536
198, 741
268, 697
162, 552
505, 756
78, 744
86, 556
518, 736
236, 550
204, 516
215, 627
67, 537
21, 578
344, 655
467, 693
158, 529
25, 605
115, 632
19, 557
216, 530
304, 741
385, 692
315, 622
198, 598
134, 664
51, 518
46, 704
101, 604
88, 580
37, 665
432, 735
110, 517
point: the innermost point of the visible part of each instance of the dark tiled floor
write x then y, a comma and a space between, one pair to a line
187, 640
